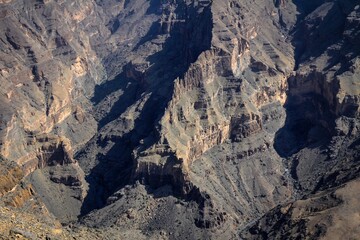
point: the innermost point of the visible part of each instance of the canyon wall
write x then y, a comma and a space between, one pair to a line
182, 119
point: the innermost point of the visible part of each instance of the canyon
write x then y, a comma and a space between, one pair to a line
179, 119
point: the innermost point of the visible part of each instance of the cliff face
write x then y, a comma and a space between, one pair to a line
11, 175
214, 122
203, 113
321, 131
43, 68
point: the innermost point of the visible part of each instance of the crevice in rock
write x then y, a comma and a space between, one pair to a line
116, 168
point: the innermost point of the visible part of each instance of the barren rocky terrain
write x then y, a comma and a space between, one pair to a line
179, 119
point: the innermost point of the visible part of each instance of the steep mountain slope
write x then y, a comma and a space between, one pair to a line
321, 135
181, 119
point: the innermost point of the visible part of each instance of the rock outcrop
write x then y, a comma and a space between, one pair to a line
327, 215
178, 119
11, 175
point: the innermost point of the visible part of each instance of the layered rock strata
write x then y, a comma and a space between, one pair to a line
212, 112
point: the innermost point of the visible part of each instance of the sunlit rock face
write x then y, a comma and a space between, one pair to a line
177, 119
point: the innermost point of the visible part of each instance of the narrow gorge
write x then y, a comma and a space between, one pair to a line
179, 119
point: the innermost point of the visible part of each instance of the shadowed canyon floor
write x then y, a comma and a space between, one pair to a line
179, 119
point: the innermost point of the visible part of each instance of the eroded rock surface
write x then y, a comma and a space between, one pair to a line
179, 119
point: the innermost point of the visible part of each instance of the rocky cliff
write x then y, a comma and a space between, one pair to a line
179, 119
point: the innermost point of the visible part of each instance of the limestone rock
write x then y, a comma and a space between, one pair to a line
178, 119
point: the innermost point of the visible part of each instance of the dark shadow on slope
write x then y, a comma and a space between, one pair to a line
129, 91
305, 137
308, 124
309, 120
114, 169
313, 35
322, 24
